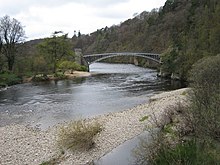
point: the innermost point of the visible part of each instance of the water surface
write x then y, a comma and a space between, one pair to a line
112, 88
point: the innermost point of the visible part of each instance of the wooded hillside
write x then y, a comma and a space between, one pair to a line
183, 30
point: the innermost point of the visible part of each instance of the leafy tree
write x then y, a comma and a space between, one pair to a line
11, 33
55, 48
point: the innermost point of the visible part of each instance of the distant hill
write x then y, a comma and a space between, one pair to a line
183, 30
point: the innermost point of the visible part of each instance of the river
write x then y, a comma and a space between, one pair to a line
111, 88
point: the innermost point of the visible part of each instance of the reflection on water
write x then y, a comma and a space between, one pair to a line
113, 87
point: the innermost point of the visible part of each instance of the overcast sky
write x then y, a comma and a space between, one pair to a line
42, 17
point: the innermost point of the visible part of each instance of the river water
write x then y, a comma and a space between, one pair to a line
113, 87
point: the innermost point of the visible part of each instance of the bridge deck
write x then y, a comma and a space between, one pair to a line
91, 58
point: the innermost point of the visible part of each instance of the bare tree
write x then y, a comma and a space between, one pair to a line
1, 61
11, 33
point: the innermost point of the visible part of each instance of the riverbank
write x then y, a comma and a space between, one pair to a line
67, 75
13, 80
25, 145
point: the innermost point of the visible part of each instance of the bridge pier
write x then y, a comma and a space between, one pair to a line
80, 59
136, 61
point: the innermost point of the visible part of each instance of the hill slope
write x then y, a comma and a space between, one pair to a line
184, 30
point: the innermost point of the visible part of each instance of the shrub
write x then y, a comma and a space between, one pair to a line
70, 65
8, 78
60, 75
200, 142
205, 109
78, 135
189, 152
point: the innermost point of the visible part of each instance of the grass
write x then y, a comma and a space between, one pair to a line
144, 118
78, 135
189, 152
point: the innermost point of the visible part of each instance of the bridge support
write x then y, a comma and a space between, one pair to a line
80, 59
136, 61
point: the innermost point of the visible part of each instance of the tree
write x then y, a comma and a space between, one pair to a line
11, 33
1, 45
39, 65
55, 48
1, 60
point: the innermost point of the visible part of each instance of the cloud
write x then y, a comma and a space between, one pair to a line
100, 3
13, 7
42, 17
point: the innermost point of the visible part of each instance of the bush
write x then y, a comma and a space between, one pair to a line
8, 78
200, 142
70, 65
78, 135
205, 80
59, 75
189, 152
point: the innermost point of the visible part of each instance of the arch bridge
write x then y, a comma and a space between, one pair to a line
92, 58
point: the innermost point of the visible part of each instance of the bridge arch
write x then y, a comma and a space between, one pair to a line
92, 58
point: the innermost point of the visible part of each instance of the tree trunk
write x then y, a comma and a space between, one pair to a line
54, 67
10, 64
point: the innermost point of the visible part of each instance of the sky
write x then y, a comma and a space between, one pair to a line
41, 18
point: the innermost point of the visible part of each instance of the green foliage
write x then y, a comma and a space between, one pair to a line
70, 65
1, 62
8, 78
168, 128
169, 60
144, 118
78, 135
59, 75
197, 137
55, 49
184, 31
39, 65
185, 153
205, 81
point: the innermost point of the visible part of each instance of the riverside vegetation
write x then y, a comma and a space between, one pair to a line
185, 32
53, 55
192, 135
78, 135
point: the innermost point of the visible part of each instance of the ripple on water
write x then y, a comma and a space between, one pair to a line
115, 88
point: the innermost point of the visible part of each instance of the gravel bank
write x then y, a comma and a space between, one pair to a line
21, 144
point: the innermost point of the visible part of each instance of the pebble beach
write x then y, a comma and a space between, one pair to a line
22, 144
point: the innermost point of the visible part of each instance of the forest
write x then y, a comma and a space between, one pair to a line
182, 31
